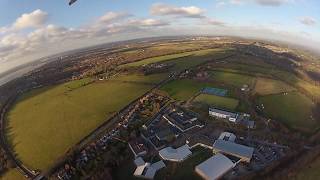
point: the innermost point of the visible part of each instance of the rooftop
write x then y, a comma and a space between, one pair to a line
214, 167
234, 149
222, 111
177, 155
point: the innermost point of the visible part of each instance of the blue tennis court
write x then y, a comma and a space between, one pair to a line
214, 91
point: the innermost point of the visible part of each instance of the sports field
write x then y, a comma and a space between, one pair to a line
294, 109
234, 79
183, 89
44, 123
266, 86
218, 101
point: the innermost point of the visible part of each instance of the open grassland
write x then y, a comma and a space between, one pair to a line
139, 78
309, 172
184, 60
234, 79
265, 86
45, 122
287, 77
217, 101
184, 89
12, 174
294, 109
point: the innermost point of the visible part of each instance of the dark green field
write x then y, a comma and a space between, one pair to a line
293, 109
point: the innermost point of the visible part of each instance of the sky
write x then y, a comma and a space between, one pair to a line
37, 28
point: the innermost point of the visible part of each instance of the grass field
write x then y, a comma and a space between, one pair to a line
234, 79
287, 77
266, 86
183, 60
44, 123
12, 174
217, 101
152, 78
183, 89
293, 109
310, 172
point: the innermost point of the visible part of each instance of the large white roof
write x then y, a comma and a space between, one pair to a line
214, 167
178, 154
233, 148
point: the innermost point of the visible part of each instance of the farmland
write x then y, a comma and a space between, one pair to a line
294, 109
45, 122
183, 60
266, 86
234, 79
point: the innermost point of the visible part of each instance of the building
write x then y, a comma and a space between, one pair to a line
147, 170
227, 136
138, 147
220, 113
177, 155
182, 120
244, 153
214, 167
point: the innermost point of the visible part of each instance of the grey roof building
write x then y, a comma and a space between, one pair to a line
234, 149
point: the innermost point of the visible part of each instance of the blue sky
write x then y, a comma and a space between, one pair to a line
26, 27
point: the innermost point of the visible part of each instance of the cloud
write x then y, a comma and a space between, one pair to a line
215, 22
308, 21
168, 10
113, 16
34, 19
271, 3
15, 44
149, 22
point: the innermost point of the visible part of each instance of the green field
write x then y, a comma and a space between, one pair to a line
44, 123
183, 60
234, 79
12, 174
266, 86
138, 78
293, 109
183, 89
217, 101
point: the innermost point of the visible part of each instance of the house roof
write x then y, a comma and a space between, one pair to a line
225, 112
178, 154
214, 167
233, 148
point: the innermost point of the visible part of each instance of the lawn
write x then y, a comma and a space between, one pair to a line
45, 123
234, 79
217, 101
294, 109
183, 89
13, 174
266, 86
